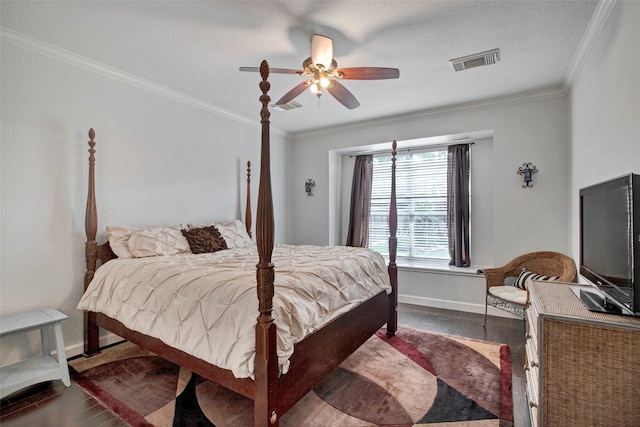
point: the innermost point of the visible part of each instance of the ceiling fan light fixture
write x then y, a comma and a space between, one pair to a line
323, 80
321, 51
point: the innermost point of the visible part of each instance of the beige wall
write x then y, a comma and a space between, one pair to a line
160, 161
605, 109
518, 137
507, 220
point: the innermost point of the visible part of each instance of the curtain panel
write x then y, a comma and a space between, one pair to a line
458, 165
358, 234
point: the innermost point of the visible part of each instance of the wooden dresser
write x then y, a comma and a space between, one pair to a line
582, 368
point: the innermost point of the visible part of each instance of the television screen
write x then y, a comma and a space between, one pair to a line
608, 224
606, 234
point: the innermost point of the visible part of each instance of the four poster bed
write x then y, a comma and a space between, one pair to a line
275, 382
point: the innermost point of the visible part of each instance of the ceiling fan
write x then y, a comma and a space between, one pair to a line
323, 74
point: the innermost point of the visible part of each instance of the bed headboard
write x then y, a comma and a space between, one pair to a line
97, 254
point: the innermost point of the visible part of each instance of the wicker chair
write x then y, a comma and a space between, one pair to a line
513, 299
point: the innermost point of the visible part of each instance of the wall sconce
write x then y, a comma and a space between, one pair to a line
308, 187
527, 170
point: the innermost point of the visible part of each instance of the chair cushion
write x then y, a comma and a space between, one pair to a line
509, 293
525, 277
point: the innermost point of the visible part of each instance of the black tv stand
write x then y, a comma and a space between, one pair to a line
596, 301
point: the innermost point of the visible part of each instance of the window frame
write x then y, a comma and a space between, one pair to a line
407, 248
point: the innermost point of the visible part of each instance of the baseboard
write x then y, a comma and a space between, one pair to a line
77, 349
453, 305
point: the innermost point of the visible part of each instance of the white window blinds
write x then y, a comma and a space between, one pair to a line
421, 190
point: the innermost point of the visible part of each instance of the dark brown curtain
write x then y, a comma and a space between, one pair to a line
358, 234
458, 204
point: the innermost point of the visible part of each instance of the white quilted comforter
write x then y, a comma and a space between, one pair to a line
206, 305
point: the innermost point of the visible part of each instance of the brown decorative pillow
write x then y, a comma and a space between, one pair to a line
204, 240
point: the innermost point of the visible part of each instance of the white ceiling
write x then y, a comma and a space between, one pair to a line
195, 48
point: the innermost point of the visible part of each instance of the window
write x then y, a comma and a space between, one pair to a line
421, 191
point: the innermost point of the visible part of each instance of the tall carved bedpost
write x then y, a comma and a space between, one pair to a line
91, 331
392, 323
266, 361
247, 211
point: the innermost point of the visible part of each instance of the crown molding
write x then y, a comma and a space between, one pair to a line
596, 24
588, 40
45, 49
418, 115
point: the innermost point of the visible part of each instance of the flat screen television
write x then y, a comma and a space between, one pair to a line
610, 244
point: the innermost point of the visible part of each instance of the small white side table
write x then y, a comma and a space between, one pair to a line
38, 369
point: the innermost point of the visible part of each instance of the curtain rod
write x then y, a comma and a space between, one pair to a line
416, 148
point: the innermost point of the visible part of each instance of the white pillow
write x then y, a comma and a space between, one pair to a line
157, 241
234, 233
118, 239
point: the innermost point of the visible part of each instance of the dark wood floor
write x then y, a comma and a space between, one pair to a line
52, 404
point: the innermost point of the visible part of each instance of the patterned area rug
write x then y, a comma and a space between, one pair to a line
414, 379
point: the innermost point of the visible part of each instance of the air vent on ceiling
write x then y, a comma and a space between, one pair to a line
476, 60
286, 107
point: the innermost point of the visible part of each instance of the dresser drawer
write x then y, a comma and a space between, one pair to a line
532, 361
532, 325
531, 355
531, 339
531, 375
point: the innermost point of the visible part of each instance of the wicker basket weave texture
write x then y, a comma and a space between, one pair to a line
546, 263
557, 298
592, 377
590, 368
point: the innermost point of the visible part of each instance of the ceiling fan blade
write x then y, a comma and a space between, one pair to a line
321, 50
369, 73
343, 95
289, 96
271, 70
